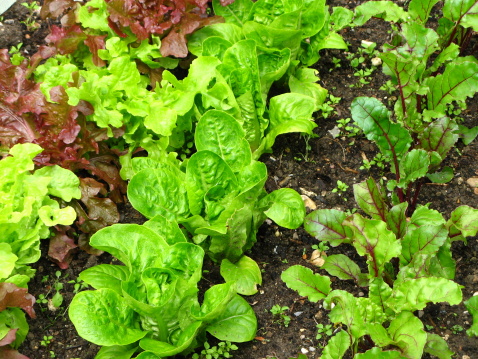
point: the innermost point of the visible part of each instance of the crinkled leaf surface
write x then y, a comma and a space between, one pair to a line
286, 208
103, 317
408, 334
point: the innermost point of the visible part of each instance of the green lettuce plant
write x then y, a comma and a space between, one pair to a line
27, 213
150, 304
218, 196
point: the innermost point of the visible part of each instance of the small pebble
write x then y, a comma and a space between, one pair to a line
312, 349
304, 351
298, 313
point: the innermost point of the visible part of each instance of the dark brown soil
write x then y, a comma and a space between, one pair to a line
315, 168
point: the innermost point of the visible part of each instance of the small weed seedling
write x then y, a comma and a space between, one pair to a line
30, 22
336, 63
347, 129
379, 160
46, 340
278, 312
341, 187
322, 247
389, 87
323, 331
219, 351
328, 107
16, 56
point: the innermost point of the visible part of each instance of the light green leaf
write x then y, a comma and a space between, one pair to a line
413, 165
472, 306
337, 346
463, 223
408, 334
347, 310
374, 120
285, 207
216, 300
371, 199
238, 323
443, 176
245, 273
373, 239
378, 353
419, 10
158, 192
117, 352
136, 246
437, 346
236, 13
8, 261
306, 283
462, 12
440, 136
163, 349
103, 317
204, 171
426, 239
169, 230
222, 134
326, 225
341, 266
458, 81
64, 183
414, 294
105, 276
386, 10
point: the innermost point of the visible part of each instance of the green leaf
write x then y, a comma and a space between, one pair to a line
64, 183
467, 134
105, 276
378, 353
236, 13
443, 176
386, 10
413, 165
440, 136
326, 225
337, 346
397, 219
462, 12
136, 246
8, 260
458, 81
163, 349
220, 133
472, 306
285, 207
290, 112
463, 223
419, 10
238, 323
169, 230
306, 283
245, 273
371, 199
103, 317
185, 260
347, 310
204, 171
158, 192
216, 299
414, 294
437, 346
425, 239
408, 334
374, 120
373, 239
117, 352
341, 17
379, 293
341, 266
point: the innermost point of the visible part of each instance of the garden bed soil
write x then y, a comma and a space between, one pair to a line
306, 165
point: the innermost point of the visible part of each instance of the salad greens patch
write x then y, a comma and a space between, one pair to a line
151, 302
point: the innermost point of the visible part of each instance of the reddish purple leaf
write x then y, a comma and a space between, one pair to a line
61, 248
9, 338
9, 353
13, 296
